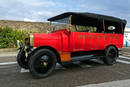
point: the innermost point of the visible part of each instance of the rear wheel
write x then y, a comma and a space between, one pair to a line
111, 54
42, 63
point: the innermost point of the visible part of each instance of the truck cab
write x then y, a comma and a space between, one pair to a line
86, 36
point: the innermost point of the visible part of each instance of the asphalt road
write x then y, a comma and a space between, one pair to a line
79, 74
76, 75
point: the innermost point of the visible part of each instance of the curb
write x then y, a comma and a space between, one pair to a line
8, 54
126, 47
8, 49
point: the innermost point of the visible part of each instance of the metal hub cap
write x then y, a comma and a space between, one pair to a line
43, 64
44, 60
112, 55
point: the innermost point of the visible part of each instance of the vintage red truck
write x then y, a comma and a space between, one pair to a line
42, 51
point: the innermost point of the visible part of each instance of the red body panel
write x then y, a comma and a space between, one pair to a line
65, 41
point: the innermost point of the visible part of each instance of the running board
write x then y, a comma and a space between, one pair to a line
81, 58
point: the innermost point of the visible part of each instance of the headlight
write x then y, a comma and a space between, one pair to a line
27, 41
31, 40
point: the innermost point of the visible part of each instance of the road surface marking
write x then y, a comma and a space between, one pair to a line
85, 66
126, 52
7, 63
122, 61
124, 57
121, 83
24, 70
58, 66
97, 61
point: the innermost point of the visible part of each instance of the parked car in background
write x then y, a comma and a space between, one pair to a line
88, 36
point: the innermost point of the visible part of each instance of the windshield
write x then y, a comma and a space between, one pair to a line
60, 24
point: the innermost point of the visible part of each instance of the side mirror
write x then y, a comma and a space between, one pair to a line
111, 28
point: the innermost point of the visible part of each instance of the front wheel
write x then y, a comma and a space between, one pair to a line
21, 59
111, 54
42, 63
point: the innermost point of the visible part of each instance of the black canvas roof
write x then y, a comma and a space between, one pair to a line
88, 18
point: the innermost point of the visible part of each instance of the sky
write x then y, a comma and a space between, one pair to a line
41, 10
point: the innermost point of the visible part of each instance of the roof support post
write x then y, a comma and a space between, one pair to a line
70, 22
103, 24
50, 25
122, 28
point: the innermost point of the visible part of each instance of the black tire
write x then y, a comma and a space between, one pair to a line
42, 63
111, 55
21, 59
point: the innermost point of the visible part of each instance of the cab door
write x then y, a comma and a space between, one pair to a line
97, 41
86, 41
78, 41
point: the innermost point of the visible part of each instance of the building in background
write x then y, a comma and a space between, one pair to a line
127, 36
